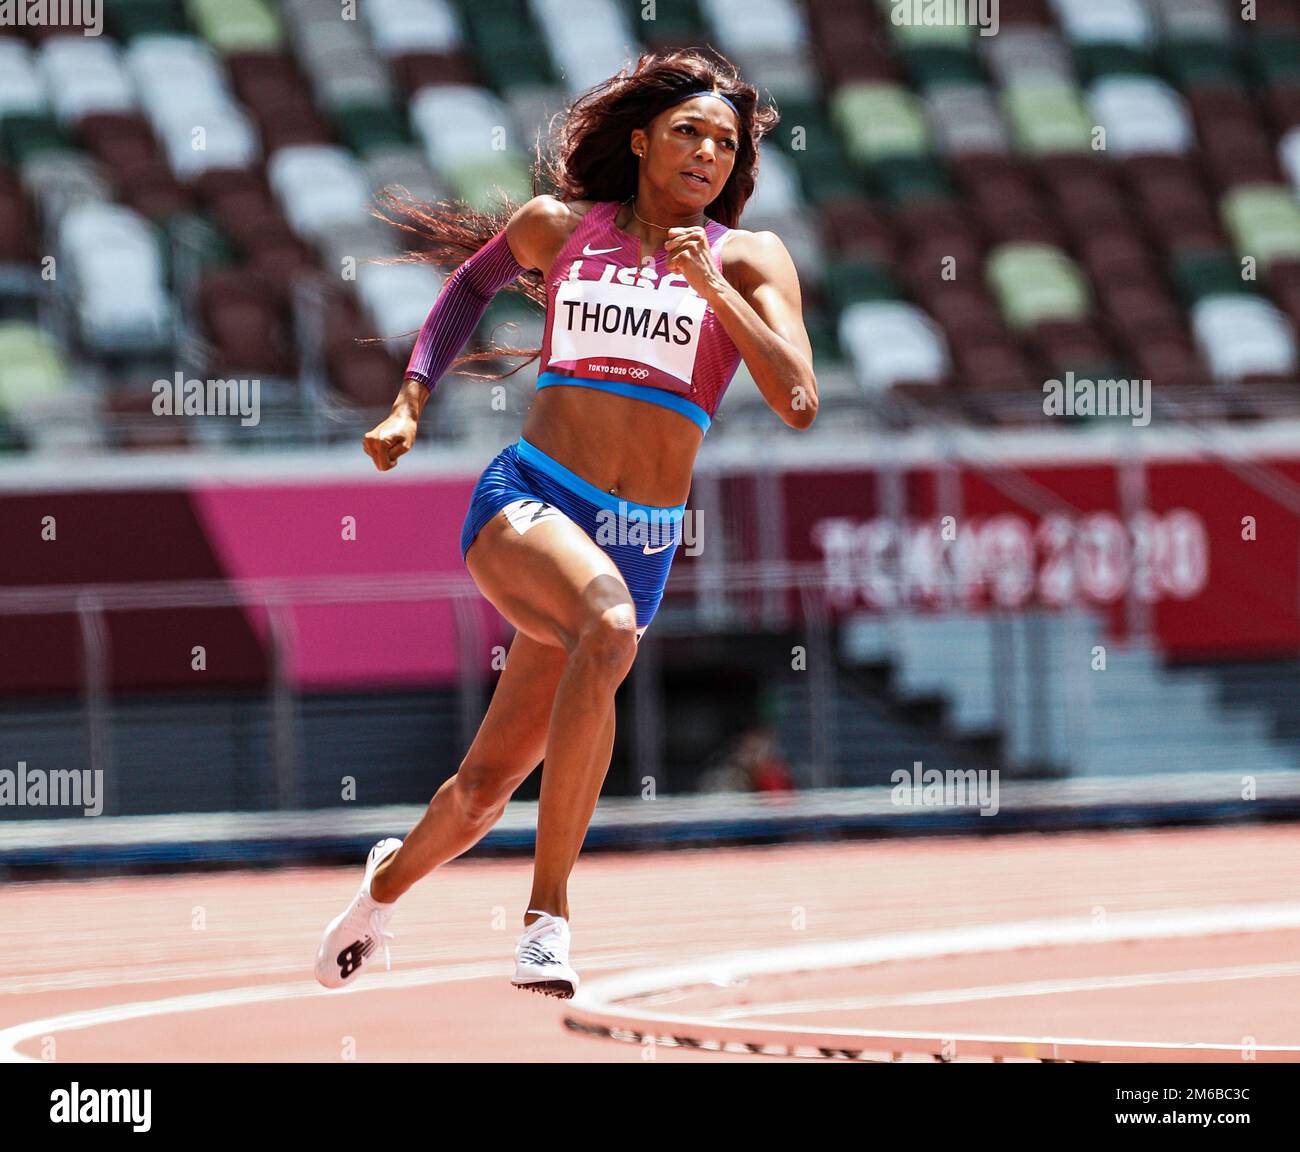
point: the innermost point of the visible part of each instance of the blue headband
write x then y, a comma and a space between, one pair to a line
706, 92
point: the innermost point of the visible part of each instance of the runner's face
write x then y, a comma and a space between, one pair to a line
699, 135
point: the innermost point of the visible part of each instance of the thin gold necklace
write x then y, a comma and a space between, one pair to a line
631, 204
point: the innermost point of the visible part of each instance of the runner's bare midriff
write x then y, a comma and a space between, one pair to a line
643, 453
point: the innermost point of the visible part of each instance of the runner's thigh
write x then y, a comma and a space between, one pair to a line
548, 580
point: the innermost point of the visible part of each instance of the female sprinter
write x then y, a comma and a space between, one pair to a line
572, 529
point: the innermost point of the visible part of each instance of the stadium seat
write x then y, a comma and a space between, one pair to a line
1288, 154
589, 40
22, 87
1192, 19
318, 188
33, 373
402, 26
114, 269
1242, 336
1264, 222
879, 121
965, 119
84, 75
237, 25
893, 342
1047, 118
1141, 115
1034, 282
1027, 55
1125, 22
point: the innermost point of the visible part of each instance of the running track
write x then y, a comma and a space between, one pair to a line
217, 966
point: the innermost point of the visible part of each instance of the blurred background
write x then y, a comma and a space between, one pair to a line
231, 616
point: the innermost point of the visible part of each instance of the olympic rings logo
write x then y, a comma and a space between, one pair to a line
638, 373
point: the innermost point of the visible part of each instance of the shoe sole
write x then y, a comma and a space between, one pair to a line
560, 989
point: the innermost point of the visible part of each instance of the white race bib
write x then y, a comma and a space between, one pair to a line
640, 335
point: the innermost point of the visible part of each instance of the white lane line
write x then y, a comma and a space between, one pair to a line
623, 998
1013, 991
384, 981
602, 995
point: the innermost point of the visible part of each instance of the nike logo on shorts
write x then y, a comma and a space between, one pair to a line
651, 551
588, 250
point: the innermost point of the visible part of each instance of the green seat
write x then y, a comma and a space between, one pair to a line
823, 337
1036, 282
1047, 119
520, 64
931, 66
931, 28
473, 180
901, 179
488, 26
1263, 221
32, 368
1275, 57
202, 239
1200, 63
1200, 273
1097, 60
812, 117
854, 281
365, 127
878, 120
830, 182
237, 25
25, 134
677, 20
131, 18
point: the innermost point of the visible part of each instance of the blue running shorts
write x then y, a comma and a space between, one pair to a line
529, 486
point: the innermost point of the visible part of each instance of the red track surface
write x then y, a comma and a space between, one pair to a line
95, 944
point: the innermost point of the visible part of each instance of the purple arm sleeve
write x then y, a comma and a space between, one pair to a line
459, 307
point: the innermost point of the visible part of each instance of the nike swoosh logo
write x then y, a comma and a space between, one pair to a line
651, 551
588, 250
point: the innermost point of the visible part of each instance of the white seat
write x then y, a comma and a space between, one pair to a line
777, 191
1105, 22
889, 342
157, 61
1288, 154
1141, 115
115, 272
1025, 54
400, 26
457, 122
965, 120
589, 40
229, 140
22, 88
1243, 335
1193, 19
755, 25
319, 187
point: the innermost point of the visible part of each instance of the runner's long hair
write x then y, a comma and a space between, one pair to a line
588, 160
